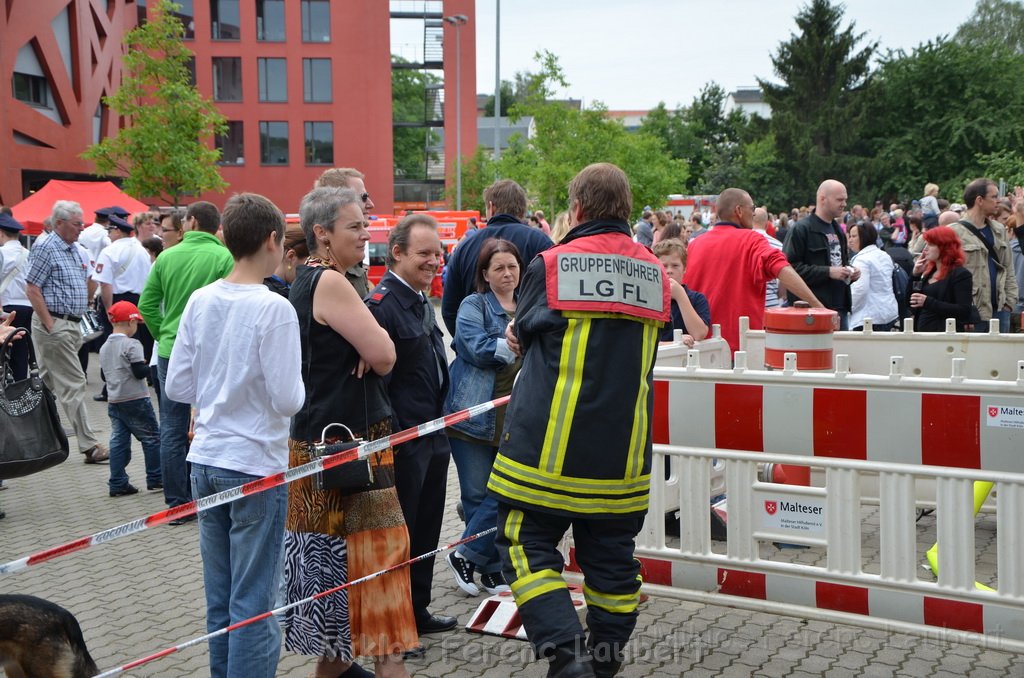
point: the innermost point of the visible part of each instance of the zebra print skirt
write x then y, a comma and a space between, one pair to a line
314, 563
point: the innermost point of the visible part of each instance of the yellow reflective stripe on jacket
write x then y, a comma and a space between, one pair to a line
537, 584
567, 391
594, 315
641, 424
561, 502
516, 552
527, 474
623, 603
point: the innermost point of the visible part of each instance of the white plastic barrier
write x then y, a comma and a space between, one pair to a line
925, 354
954, 431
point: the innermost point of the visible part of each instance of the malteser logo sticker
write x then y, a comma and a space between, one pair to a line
798, 514
1005, 416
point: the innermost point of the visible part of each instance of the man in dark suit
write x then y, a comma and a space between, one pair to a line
417, 386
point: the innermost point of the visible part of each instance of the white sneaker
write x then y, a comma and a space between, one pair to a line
494, 583
463, 570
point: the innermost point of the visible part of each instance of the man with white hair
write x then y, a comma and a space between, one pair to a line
57, 289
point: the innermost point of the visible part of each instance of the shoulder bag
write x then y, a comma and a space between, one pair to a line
31, 437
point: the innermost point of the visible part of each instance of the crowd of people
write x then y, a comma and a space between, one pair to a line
866, 264
263, 341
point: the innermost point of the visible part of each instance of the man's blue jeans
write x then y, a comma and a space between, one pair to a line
127, 419
241, 546
474, 462
174, 418
1004, 323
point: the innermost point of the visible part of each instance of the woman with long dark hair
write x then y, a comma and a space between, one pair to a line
942, 286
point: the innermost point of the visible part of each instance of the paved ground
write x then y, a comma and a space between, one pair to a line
143, 593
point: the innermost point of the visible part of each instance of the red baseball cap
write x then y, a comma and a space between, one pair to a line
123, 311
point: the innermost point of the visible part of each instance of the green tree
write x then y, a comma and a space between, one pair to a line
923, 133
816, 110
702, 135
164, 148
413, 101
477, 174
508, 98
566, 140
995, 21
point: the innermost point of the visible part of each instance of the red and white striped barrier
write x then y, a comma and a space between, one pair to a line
234, 494
900, 431
280, 610
499, 616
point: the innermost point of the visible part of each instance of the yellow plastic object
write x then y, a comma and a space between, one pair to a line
981, 492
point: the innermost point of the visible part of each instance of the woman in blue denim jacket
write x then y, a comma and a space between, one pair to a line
484, 368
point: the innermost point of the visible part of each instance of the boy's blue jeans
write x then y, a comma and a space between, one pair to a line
127, 419
241, 546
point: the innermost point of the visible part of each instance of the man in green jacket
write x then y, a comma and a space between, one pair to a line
198, 260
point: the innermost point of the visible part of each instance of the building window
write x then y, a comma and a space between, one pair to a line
316, 21
273, 143
270, 20
316, 80
225, 23
186, 17
190, 66
32, 89
230, 145
273, 79
319, 143
227, 78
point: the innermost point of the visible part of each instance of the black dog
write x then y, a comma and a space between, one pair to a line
39, 639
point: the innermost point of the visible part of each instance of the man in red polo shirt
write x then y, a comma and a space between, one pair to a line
731, 265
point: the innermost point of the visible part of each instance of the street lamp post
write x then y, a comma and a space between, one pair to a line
458, 20
497, 80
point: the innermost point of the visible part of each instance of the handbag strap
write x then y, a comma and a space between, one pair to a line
977, 234
131, 257
5, 352
22, 258
308, 367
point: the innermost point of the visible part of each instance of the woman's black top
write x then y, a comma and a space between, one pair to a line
333, 393
947, 298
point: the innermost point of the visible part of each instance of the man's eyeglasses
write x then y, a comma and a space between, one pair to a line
364, 197
169, 230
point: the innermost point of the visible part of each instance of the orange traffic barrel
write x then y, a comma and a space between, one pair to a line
802, 330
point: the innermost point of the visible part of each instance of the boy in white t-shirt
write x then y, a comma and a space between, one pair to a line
236, 360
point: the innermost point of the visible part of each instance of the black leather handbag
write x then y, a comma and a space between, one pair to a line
31, 437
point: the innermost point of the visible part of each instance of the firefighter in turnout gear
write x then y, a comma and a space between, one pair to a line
576, 449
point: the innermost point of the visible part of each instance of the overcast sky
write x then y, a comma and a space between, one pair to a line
631, 55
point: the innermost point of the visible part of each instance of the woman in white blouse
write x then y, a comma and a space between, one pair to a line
873, 296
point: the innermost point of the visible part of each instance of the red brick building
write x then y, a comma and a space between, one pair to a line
304, 84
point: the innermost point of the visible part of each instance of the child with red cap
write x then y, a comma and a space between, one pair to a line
129, 407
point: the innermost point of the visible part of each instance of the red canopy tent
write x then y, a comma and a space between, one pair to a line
91, 195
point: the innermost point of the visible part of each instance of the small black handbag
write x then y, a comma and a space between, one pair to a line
31, 437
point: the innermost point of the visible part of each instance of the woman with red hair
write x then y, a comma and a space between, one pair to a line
942, 286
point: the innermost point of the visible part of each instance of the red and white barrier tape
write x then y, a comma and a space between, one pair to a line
251, 620
236, 493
